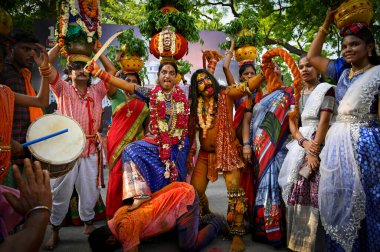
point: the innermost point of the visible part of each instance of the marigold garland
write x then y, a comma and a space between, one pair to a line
273, 81
164, 136
88, 18
209, 115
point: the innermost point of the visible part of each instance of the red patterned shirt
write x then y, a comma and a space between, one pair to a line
70, 104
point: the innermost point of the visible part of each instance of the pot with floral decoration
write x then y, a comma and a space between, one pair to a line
244, 29
78, 25
353, 11
168, 43
5, 22
169, 27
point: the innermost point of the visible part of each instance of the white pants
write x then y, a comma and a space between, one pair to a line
83, 176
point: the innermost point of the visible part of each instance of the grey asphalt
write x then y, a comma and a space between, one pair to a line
73, 240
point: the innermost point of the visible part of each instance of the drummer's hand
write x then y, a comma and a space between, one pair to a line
42, 59
16, 148
34, 191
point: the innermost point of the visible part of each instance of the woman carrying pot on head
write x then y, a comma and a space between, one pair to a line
160, 157
350, 165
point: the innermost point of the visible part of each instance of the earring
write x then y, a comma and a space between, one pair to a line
369, 54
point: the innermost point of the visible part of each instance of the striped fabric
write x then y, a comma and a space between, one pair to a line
69, 104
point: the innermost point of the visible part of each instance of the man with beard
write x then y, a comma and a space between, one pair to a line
16, 75
211, 109
79, 99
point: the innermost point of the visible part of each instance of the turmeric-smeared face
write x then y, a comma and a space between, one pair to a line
205, 85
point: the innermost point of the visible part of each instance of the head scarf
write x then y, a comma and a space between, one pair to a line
352, 29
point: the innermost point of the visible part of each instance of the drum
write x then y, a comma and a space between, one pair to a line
57, 154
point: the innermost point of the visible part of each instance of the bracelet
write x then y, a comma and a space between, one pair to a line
300, 141
323, 30
35, 209
246, 143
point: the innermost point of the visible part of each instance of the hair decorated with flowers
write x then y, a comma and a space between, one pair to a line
168, 135
273, 81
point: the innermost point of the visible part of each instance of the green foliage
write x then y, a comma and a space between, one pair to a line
245, 31
182, 22
181, 5
184, 66
132, 45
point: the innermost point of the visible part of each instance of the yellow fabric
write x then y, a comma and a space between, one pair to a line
34, 113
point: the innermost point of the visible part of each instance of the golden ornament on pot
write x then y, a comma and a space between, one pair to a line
245, 53
353, 11
131, 63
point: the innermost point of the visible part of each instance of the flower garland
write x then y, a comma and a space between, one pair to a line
209, 115
89, 11
161, 40
82, 18
164, 137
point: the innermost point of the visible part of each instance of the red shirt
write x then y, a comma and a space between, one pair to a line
86, 111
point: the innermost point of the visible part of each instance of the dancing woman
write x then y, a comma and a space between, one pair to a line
349, 186
160, 157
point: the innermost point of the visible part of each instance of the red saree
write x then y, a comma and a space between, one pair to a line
127, 126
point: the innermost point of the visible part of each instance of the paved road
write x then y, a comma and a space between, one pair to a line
72, 239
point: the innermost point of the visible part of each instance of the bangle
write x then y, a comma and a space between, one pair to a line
35, 209
300, 141
246, 143
323, 30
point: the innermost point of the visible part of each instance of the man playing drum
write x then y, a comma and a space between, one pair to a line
80, 100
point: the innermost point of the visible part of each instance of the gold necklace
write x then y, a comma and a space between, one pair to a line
130, 111
353, 73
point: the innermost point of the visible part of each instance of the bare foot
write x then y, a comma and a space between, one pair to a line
137, 202
53, 240
88, 229
237, 244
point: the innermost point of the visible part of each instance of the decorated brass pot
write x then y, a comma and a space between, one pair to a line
168, 9
353, 11
245, 53
130, 63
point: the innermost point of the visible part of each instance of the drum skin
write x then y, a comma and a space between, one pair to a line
57, 154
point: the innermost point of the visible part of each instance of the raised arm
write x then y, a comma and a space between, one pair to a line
255, 81
96, 71
314, 54
53, 53
42, 99
226, 64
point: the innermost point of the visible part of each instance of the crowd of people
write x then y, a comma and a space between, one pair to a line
308, 182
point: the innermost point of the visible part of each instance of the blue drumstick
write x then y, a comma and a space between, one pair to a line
44, 137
